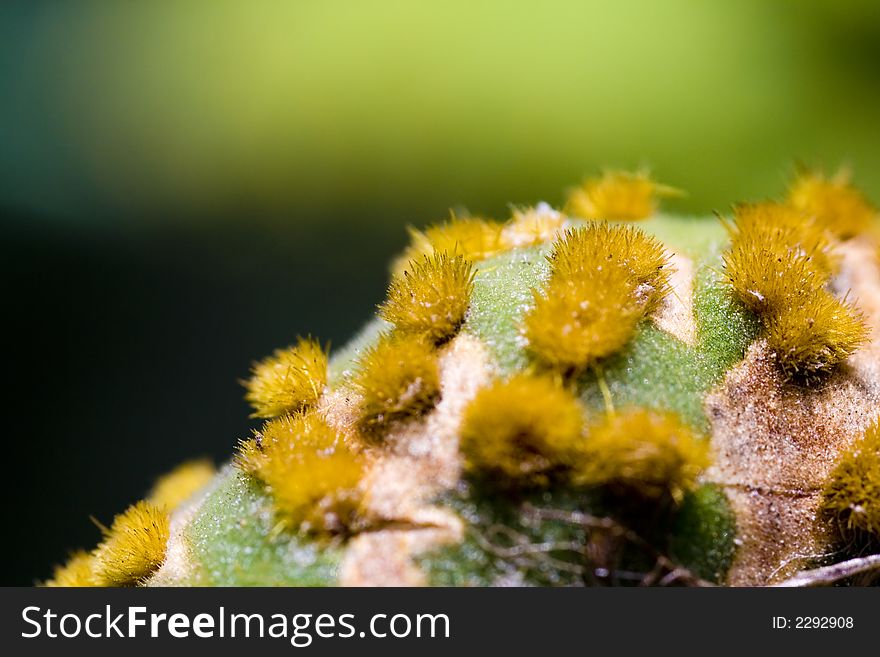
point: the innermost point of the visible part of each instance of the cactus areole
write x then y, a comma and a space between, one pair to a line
597, 395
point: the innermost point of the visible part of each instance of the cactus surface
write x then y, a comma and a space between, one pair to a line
600, 395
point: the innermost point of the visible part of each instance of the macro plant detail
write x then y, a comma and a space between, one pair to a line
430, 297
779, 265
852, 496
526, 430
597, 395
313, 475
288, 381
603, 280
398, 377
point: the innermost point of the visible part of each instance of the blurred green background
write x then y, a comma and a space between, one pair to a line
186, 185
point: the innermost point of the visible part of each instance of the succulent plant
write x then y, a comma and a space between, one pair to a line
600, 395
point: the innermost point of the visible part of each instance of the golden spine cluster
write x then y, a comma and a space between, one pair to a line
604, 279
648, 452
473, 238
312, 473
430, 297
852, 495
617, 196
173, 489
288, 381
526, 430
134, 546
779, 265
834, 202
398, 378
531, 431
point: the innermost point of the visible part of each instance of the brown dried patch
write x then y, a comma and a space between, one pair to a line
775, 443
860, 278
419, 460
675, 314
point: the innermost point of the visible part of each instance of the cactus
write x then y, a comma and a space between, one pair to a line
600, 395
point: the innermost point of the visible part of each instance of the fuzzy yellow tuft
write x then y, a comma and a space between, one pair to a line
249, 457
79, 571
525, 431
776, 255
778, 265
617, 196
603, 280
600, 250
815, 335
174, 488
312, 473
647, 452
572, 326
398, 378
852, 495
134, 546
430, 297
473, 238
834, 202
785, 233
530, 226
288, 381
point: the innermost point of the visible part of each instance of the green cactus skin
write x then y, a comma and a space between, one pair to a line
231, 541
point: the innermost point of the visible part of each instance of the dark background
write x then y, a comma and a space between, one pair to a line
185, 186
124, 352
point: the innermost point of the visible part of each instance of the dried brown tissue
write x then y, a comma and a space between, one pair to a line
775, 443
422, 460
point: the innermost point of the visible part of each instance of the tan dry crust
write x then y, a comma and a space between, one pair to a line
420, 460
675, 315
775, 443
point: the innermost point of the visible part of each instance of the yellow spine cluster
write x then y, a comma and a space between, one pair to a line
778, 265
430, 297
834, 202
312, 473
647, 452
603, 280
617, 196
531, 226
527, 430
134, 546
174, 488
79, 571
288, 381
398, 378
852, 495
473, 238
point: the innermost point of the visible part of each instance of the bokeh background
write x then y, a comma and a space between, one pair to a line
187, 184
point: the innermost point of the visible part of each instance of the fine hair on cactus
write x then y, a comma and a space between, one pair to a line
397, 378
526, 430
779, 265
852, 496
601, 394
430, 297
288, 381
313, 474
